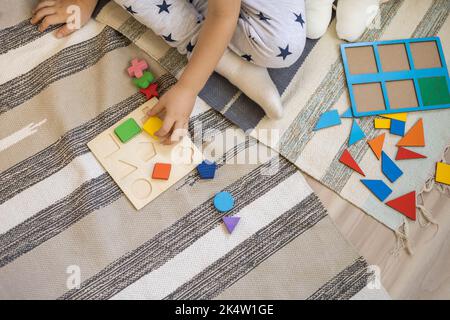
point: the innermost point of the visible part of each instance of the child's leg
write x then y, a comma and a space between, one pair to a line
177, 22
180, 28
271, 33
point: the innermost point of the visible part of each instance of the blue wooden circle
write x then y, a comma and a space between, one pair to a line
224, 201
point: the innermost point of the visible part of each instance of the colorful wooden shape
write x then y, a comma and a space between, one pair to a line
389, 168
127, 130
152, 125
347, 159
405, 154
379, 123
405, 204
376, 144
385, 80
434, 91
443, 173
151, 91
137, 68
347, 114
397, 127
328, 119
396, 116
356, 134
231, 223
207, 169
223, 201
414, 137
144, 81
161, 171
378, 188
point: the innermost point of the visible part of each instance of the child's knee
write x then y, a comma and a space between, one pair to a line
283, 52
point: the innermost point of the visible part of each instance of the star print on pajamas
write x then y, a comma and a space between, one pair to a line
299, 19
284, 52
271, 34
163, 7
263, 17
169, 38
130, 9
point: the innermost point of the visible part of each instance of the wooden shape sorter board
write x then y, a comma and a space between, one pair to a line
131, 164
389, 77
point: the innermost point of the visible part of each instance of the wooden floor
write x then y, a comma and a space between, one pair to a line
423, 275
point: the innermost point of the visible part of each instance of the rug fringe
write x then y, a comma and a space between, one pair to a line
402, 240
425, 217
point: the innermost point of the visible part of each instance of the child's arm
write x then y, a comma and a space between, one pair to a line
216, 33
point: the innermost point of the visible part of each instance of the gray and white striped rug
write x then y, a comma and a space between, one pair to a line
63, 220
314, 84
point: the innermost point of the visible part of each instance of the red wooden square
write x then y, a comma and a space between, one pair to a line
161, 171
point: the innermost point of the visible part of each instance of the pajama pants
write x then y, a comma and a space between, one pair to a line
270, 33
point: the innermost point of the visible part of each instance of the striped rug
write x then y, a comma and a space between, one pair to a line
68, 232
314, 84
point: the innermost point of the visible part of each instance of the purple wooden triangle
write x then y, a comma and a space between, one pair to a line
230, 223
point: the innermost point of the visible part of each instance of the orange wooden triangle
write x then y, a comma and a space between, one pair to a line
414, 137
347, 159
376, 145
405, 204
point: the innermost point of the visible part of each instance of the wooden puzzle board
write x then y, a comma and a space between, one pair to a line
396, 76
131, 164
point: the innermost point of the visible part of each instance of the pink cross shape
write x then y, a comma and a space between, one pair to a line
137, 68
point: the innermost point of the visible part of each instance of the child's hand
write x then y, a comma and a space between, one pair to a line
51, 12
177, 105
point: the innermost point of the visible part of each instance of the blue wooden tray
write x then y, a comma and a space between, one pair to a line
382, 77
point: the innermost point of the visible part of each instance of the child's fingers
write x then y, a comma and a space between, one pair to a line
43, 4
166, 127
156, 109
39, 15
49, 21
64, 31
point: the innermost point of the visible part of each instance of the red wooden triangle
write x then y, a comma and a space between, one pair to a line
405, 154
347, 159
405, 204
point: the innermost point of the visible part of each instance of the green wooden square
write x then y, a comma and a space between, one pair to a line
434, 91
127, 130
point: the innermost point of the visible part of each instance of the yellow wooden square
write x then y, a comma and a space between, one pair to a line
382, 123
396, 116
152, 125
443, 173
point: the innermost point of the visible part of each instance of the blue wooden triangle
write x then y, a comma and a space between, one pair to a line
328, 119
389, 168
347, 114
356, 134
378, 188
